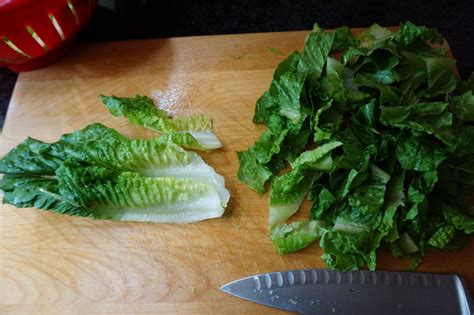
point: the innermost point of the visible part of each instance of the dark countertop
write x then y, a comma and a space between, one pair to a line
155, 19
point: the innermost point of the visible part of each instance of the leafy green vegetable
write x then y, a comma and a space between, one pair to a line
252, 172
141, 111
107, 194
288, 190
102, 193
295, 236
99, 173
415, 152
380, 141
343, 39
410, 34
316, 50
463, 106
42, 192
98, 145
30, 157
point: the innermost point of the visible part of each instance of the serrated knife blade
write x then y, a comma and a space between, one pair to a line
320, 291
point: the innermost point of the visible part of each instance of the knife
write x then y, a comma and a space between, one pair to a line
321, 291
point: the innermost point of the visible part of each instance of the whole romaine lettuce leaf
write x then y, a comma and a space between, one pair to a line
99, 173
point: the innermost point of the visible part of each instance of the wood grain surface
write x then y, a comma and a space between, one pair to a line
57, 264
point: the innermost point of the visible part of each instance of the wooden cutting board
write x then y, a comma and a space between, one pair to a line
53, 263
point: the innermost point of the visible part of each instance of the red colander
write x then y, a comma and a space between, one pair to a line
35, 33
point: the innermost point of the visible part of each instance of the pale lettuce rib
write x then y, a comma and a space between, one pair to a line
105, 194
194, 168
207, 139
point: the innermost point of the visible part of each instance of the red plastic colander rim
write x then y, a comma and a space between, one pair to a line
7, 6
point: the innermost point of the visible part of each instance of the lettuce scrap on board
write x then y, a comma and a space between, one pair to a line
381, 140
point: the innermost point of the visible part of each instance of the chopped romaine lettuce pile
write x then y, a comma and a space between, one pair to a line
97, 172
380, 139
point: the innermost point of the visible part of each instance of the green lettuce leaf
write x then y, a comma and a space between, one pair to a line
459, 220
441, 77
387, 93
442, 237
411, 35
287, 194
463, 106
343, 39
373, 36
99, 145
292, 237
429, 117
32, 177
39, 191
286, 91
252, 172
370, 40
343, 251
108, 194
416, 152
316, 50
141, 110
31, 156
288, 190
